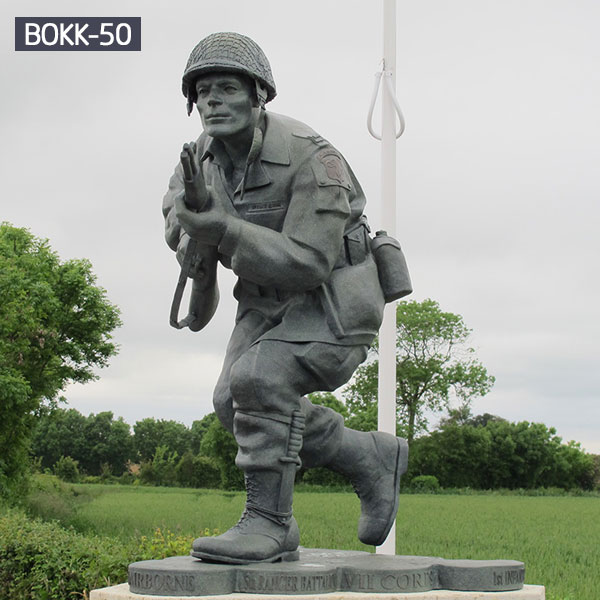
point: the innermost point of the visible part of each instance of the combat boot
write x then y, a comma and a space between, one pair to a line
373, 462
267, 531
263, 534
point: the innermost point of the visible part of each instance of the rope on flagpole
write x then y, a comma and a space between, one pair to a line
387, 77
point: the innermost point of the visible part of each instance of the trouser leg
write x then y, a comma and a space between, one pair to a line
273, 377
324, 427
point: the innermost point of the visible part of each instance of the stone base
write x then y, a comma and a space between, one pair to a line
528, 592
320, 572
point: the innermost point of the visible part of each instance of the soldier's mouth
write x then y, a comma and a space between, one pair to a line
216, 117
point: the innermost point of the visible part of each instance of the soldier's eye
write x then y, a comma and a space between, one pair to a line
231, 89
202, 92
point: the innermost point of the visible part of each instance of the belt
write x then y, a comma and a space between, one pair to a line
264, 292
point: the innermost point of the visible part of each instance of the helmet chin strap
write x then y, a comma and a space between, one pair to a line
261, 94
255, 148
257, 138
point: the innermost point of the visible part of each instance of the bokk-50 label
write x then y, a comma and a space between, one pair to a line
78, 33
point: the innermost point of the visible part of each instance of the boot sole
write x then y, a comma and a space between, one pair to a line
289, 556
401, 466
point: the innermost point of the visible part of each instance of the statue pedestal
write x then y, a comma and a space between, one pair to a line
528, 592
332, 574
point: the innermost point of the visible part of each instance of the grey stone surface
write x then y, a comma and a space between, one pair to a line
324, 571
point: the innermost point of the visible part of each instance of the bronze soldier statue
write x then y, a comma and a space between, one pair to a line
269, 198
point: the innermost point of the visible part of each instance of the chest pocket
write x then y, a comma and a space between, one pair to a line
269, 214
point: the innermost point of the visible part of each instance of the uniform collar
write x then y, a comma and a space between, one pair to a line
276, 147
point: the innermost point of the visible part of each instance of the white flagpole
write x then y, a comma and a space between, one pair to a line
386, 411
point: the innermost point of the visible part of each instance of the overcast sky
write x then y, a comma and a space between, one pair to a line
498, 182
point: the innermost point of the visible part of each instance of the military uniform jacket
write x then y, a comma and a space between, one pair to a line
300, 244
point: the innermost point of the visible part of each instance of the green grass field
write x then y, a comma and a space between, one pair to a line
558, 538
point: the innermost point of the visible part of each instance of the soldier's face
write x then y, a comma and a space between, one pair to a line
225, 103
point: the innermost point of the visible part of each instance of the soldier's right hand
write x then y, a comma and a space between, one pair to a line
196, 194
197, 270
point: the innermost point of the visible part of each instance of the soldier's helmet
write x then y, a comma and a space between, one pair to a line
229, 52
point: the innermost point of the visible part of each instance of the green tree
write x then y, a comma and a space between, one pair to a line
220, 445
92, 441
55, 328
198, 472
573, 468
108, 442
330, 401
67, 469
490, 453
151, 433
16, 406
456, 455
434, 365
59, 432
198, 429
161, 469
595, 471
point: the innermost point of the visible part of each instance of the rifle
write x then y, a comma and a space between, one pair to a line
205, 293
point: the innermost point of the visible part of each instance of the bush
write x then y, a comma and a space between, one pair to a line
90, 479
67, 469
425, 484
491, 453
198, 472
208, 474
127, 478
161, 469
43, 561
165, 543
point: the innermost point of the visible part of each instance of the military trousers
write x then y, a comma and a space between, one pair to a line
270, 378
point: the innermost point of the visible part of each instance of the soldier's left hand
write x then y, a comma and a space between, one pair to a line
208, 226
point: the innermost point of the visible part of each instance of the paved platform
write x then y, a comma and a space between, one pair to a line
528, 592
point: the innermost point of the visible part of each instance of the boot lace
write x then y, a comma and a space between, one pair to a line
253, 509
247, 516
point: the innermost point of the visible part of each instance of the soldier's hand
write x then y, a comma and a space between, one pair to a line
197, 267
206, 227
196, 194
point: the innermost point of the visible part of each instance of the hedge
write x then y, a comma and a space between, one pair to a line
43, 561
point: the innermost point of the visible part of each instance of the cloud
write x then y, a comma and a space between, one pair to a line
497, 178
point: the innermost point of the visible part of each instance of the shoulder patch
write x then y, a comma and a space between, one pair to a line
331, 169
